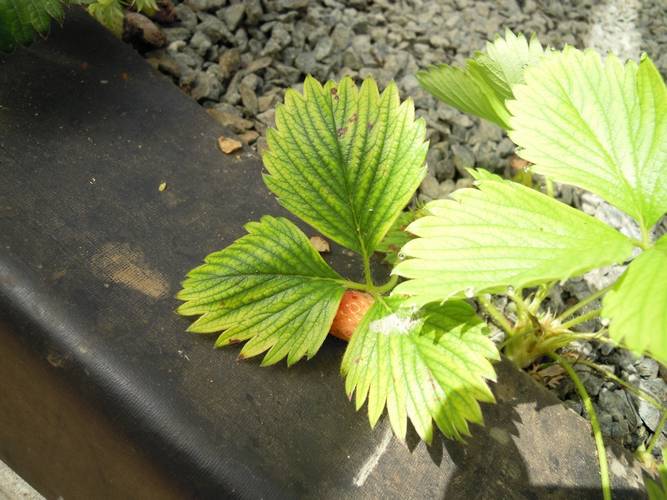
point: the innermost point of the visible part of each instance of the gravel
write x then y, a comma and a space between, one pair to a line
237, 57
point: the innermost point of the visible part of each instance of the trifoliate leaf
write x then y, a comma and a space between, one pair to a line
396, 237
483, 86
502, 234
20, 20
599, 126
271, 287
346, 160
423, 365
637, 304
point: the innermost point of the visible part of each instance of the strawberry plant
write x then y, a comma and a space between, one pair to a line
22, 20
578, 119
346, 160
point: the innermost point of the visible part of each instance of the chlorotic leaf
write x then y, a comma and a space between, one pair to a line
428, 365
503, 64
270, 287
597, 125
485, 83
21, 20
637, 304
502, 234
346, 160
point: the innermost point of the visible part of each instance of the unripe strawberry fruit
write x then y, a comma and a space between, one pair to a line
352, 308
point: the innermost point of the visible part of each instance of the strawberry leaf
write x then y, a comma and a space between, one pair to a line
346, 160
502, 234
270, 287
483, 86
601, 126
21, 20
427, 365
637, 304
109, 13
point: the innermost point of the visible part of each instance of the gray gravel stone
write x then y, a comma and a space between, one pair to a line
462, 158
200, 43
206, 86
186, 15
430, 187
232, 15
647, 368
176, 33
648, 413
214, 28
323, 48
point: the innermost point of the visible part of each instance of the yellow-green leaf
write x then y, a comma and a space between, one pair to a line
502, 234
599, 125
346, 160
428, 365
270, 287
637, 304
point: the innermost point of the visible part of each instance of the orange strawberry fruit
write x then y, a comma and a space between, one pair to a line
352, 308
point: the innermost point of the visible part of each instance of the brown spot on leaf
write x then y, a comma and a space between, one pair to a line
353, 118
370, 126
334, 93
341, 131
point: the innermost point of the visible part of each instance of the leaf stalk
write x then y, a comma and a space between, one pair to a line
595, 424
497, 316
582, 318
584, 302
656, 435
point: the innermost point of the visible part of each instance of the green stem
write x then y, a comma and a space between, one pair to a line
522, 307
595, 424
353, 285
594, 296
582, 318
640, 393
539, 296
496, 315
550, 187
646, 237
658, 432
597, 336
388, 285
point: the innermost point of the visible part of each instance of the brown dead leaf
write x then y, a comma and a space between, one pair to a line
320, 244
518, 163
228, 145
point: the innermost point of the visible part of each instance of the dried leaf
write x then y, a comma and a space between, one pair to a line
320, 244
228, 145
